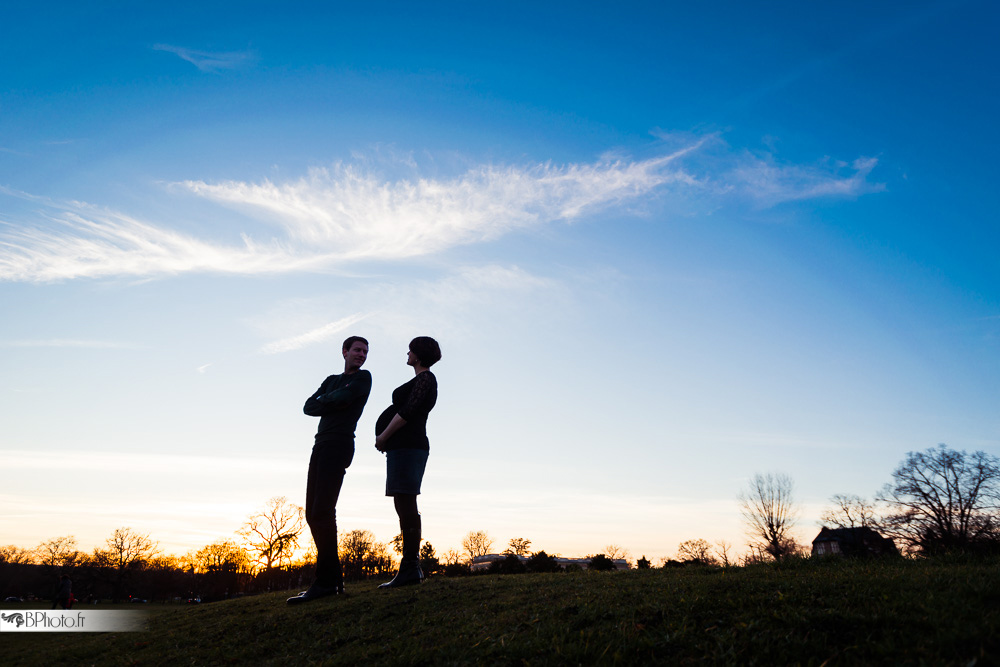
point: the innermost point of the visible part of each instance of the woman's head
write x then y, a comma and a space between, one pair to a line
426, 349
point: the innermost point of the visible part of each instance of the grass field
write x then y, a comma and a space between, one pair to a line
809, 613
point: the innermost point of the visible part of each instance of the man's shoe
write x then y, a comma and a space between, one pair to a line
315, 592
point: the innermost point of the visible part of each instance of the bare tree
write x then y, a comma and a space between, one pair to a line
272, 534
696, 550
362, 556
223, 556
615, 552
58, 553
127, 552
768, 508
849, 512
722, 551
941, 499
307, 557
519, 546
477, 543
756, 555
15, 555
224, 567
127, 549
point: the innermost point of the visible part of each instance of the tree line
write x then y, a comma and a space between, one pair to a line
130, 566
939, 500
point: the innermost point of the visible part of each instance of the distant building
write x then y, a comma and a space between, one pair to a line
858, 541
484, 562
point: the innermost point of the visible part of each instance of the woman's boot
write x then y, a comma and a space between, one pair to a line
409, 567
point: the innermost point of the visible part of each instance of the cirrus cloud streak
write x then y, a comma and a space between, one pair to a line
355, 215
317, 335
345, 213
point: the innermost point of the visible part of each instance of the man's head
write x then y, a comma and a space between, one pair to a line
355, 352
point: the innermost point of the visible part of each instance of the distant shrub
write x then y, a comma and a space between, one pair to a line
430, 565
642, 564
429, 561
509, 565
456, 570
542, 562
692, 563
601, 563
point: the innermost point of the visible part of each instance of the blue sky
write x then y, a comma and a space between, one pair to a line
664, 246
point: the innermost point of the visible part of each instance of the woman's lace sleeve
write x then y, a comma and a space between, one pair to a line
421, 399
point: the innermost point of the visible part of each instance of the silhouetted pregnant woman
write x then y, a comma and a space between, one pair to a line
401, 433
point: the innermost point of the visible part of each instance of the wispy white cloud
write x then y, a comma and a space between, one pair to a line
71, 343
765, 179
313, 336
462, 301
210, 61
770, 184
354, 214
83, 241
347, 213
137, 463
466, 290
330, 217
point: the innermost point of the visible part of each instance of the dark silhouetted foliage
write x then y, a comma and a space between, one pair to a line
601, 563
456, 570
942, 500
542, 562
769, 510
363, 557
519, 546
511, 564
429, 562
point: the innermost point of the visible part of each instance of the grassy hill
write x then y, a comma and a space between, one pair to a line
806, 613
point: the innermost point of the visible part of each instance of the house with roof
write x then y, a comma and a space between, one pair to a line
859, 541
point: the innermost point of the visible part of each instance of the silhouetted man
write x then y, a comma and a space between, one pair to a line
338, 403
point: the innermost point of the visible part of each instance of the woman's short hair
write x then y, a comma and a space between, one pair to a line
427, 350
